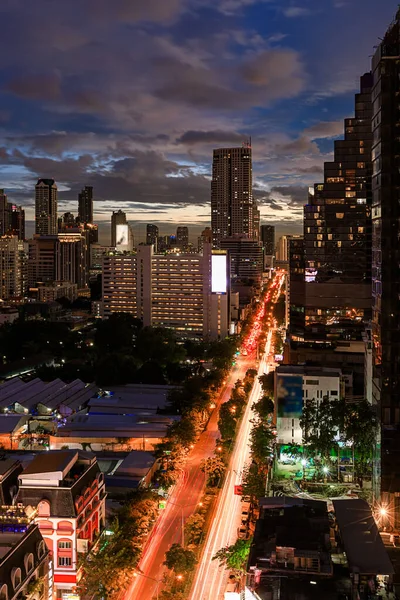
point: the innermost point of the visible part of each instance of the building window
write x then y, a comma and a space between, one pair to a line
4, 592
65, 544
334, 393
16, 577
41, 549
29, 563
44, 508
64, 561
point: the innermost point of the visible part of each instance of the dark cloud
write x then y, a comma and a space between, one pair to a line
325, 129
301, 145
317, 169
279, 72
35, 86
298, 194
191, 138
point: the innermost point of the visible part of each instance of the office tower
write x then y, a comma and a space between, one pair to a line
46, 207
17, 222
162, 243
232, 206
385, 263
182, 238
10, 272
85, 205
282, 251
152, 235
267, 234
204, 238
4, 214
61, 257
256, 221
67, 221
337, 225
121, 232
185, 292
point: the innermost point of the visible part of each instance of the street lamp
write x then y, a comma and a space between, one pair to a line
157, 581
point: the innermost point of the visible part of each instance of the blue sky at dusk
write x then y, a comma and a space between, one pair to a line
131, 97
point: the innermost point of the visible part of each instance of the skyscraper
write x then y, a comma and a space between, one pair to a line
232, 206
385, 263
268, 239
46, 207
337, 229
85, 205
182, 237
10, 268
4, 213
61, 257
151, 235
121, 235
17, 222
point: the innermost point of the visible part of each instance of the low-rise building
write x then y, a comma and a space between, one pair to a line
294, 385
25, 561
66, 489
291, 539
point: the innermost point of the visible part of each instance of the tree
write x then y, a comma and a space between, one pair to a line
267, 383
158, 345
180, 560
183, 431
264, 407
234, 557
319, 423
261, 438
253, 482
194, 528
227, 422
117, 333
214, 468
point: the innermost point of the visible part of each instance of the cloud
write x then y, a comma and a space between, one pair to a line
325, 129
302, 145
35, 86
279, 72
191, 138
298, 194
296, 11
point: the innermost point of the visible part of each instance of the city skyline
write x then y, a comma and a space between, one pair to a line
269, 71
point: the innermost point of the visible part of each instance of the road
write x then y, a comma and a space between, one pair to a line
186, 494
211, 579
189, 490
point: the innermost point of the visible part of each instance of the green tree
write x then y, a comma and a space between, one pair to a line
319, 423
227, 422
183, 432
234, 557
253, 482
264, 407
214, 467
267, 383
194, 527
180, 560
117, 332
261, 439
158, 345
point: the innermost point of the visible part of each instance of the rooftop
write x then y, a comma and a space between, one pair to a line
6, 466
365, 551
51, 462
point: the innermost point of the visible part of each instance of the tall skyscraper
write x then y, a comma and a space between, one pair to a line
232, 206
17, 222
121, 231
4, 213
46, 207
337, 231
61, 257
268, 239
385, 263
10, 268
204, 238
182, 237
152, 235
85, 205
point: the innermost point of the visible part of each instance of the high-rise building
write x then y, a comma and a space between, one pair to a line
267, 234
185, 292
151, 235
10, 268
17, 222
67, 221
385, 264
46, 207
232, 205
4, 213
121, 232
182, 237
61, 257
204, 238
85, 205
256, 221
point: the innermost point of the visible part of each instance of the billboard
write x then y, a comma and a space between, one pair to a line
219, 283
289, 395
121, 235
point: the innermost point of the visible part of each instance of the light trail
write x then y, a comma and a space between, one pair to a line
211, 579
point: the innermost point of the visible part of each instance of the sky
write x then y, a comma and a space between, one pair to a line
131, 97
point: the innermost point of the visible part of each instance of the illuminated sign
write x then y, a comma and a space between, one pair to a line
278, 357
238, 490
121, 236
219, 273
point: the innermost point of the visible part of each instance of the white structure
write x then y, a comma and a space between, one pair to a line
185, 292
294, 385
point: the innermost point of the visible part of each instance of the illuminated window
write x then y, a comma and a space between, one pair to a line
340, 215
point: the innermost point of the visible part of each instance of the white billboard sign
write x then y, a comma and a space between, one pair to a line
219, 283
121, 236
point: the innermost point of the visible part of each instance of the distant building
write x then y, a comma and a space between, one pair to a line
121, 232
66, 488
172, 290
282, 253
97, 252
204, 238
52, 290
17, 222
85, 205
59, 257
268, 239
245, 265
152, 235
232, 204
46, 207
182, 238
11, 284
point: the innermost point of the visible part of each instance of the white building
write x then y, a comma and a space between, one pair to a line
294, 385
185, 292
